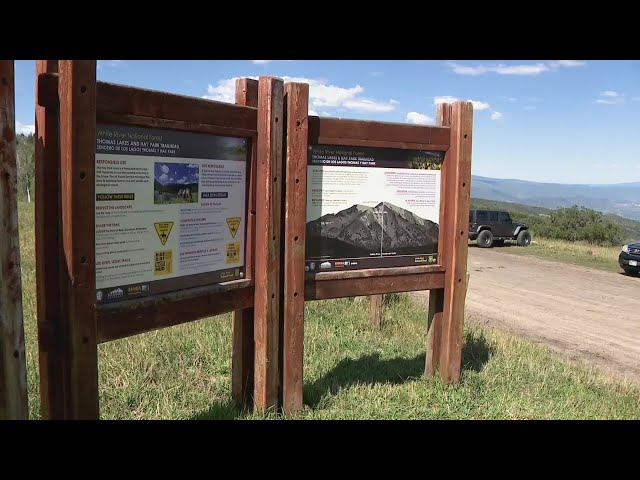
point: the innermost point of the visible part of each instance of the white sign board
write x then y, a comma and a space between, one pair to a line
170, 210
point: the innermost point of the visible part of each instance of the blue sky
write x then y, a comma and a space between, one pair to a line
176, 173
565, 121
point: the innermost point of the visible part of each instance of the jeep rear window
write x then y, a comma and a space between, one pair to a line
482, 216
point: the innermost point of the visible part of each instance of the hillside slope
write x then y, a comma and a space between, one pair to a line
622, 199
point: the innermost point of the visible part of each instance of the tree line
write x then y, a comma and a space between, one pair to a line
26, 160
574, 224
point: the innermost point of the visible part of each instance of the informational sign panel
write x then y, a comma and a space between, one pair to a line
169, 210
371, 207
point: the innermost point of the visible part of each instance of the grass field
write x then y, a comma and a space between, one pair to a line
574, 253
351, 371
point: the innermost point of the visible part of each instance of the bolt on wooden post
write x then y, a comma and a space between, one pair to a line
268, 278
13, 371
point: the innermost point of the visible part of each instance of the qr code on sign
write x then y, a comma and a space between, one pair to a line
163, 263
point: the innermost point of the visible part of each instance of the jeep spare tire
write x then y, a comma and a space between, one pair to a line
485, 239
524, 238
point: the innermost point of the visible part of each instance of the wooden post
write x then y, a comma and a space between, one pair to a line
242, 323
268, 242
13, 370
297, 108
375, 310
459, 200
77, 93
52, 331
436, 297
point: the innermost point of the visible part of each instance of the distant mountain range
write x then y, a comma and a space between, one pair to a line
621, 199
360, 230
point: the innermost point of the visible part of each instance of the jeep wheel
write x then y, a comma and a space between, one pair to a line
485, 239
524, 238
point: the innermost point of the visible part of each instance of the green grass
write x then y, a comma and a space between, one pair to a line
573, 253
351, 370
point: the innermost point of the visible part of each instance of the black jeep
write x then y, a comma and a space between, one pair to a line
629, 258
495, 226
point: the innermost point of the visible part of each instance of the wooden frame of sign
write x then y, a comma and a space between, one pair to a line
14, 403
316, 142
93, 139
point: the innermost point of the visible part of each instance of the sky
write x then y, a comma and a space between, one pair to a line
559, 121
176, 173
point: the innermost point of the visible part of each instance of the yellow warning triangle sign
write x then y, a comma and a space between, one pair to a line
233, 223
163, 229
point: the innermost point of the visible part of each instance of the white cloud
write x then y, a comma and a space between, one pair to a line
364, 105
375, 74
418, 118
183, 180
569, 63
171, 179
225, 91
266, 62
444, 99
325, 114
24, 129
496, 115
522, 69
477, 104
164, 168
313, 113
530, 107
163, 177
610, 97
109, 63
192, 165
321, 94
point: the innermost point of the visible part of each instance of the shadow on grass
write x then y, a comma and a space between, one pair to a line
391, 299
371, 369
221, 411
476, 352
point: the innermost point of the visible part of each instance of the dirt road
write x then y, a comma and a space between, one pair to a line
587, 315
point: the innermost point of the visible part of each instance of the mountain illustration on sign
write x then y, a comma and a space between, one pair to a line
360, 230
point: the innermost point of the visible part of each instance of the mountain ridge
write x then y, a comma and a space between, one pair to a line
362, 230
621, 199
